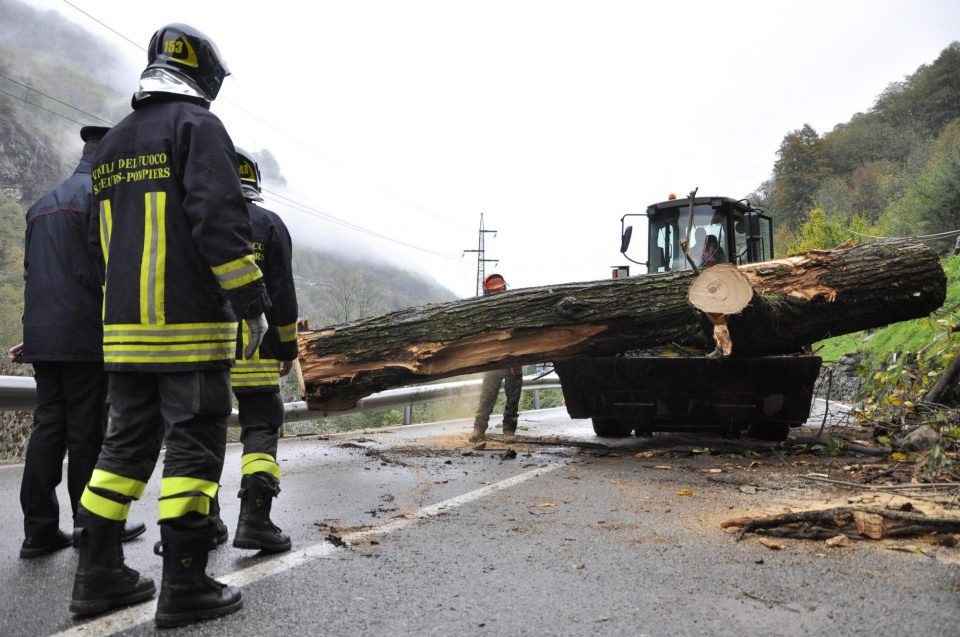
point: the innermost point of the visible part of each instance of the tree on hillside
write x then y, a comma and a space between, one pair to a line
800, 169
931, 202
866, 139
928, 99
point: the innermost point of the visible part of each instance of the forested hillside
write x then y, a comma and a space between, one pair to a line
55, 77
893, 170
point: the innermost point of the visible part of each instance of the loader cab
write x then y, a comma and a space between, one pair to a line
727, 230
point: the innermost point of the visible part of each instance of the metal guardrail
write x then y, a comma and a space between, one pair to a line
19, 393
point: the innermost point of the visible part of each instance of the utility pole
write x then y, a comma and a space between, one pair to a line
481, 256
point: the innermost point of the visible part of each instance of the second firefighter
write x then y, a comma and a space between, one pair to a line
256, 380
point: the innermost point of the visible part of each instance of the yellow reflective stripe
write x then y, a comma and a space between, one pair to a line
169, 353
118, 484
146, 263
287, 332
237, 273
179, 507
104, 507
182, 484
197, 332
263, 365
245, 339
153, 262
255, 373
256, 381
106, 227
160, 269
259, 463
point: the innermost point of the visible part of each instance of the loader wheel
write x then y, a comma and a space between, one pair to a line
775, 431
611, 428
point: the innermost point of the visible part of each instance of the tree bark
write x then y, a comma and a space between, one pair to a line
795, 301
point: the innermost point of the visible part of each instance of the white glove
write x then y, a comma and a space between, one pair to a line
256, 328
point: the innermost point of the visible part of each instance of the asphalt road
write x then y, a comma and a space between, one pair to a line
413, 532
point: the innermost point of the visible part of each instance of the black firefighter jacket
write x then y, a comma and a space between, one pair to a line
176, 240
62, 296
272, 250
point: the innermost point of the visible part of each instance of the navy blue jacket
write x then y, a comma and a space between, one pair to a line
176, 240
272, 250
63, 300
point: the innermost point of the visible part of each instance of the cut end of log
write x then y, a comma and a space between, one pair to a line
720, 289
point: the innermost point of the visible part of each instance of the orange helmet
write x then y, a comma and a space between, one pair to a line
494, 283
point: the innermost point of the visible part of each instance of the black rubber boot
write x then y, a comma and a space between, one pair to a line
187, 593
254, 528
103, 581
218, 529
132, 531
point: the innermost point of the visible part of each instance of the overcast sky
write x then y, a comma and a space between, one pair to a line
410, 118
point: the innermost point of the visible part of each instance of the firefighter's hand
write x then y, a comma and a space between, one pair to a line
15, 353
256, 328
285, 367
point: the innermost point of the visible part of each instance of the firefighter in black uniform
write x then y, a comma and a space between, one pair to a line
176, 241
511, 379
63, 339
256, 380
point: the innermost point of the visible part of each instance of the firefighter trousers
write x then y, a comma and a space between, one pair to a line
70, 416
186, 411
261, 418
512, 380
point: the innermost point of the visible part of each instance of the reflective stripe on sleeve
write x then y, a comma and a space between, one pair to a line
237, 273
287, 332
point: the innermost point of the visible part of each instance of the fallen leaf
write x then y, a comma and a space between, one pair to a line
749, 489
900, 457
770, 544
579, 566
839, 540
801, 463
663, 467
703, 450
711, 471
545, 505
644, 454
685, 492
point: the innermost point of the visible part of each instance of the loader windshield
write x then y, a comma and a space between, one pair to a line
669, 227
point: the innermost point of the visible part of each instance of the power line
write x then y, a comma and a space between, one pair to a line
292, 138
326, 216
26, 101
50, 97
105, 26
938, 235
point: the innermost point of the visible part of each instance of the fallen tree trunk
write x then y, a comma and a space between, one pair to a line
802, 299
795, 302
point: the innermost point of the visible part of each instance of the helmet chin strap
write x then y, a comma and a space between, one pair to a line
164, 81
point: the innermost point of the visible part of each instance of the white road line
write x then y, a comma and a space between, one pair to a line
131, 616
